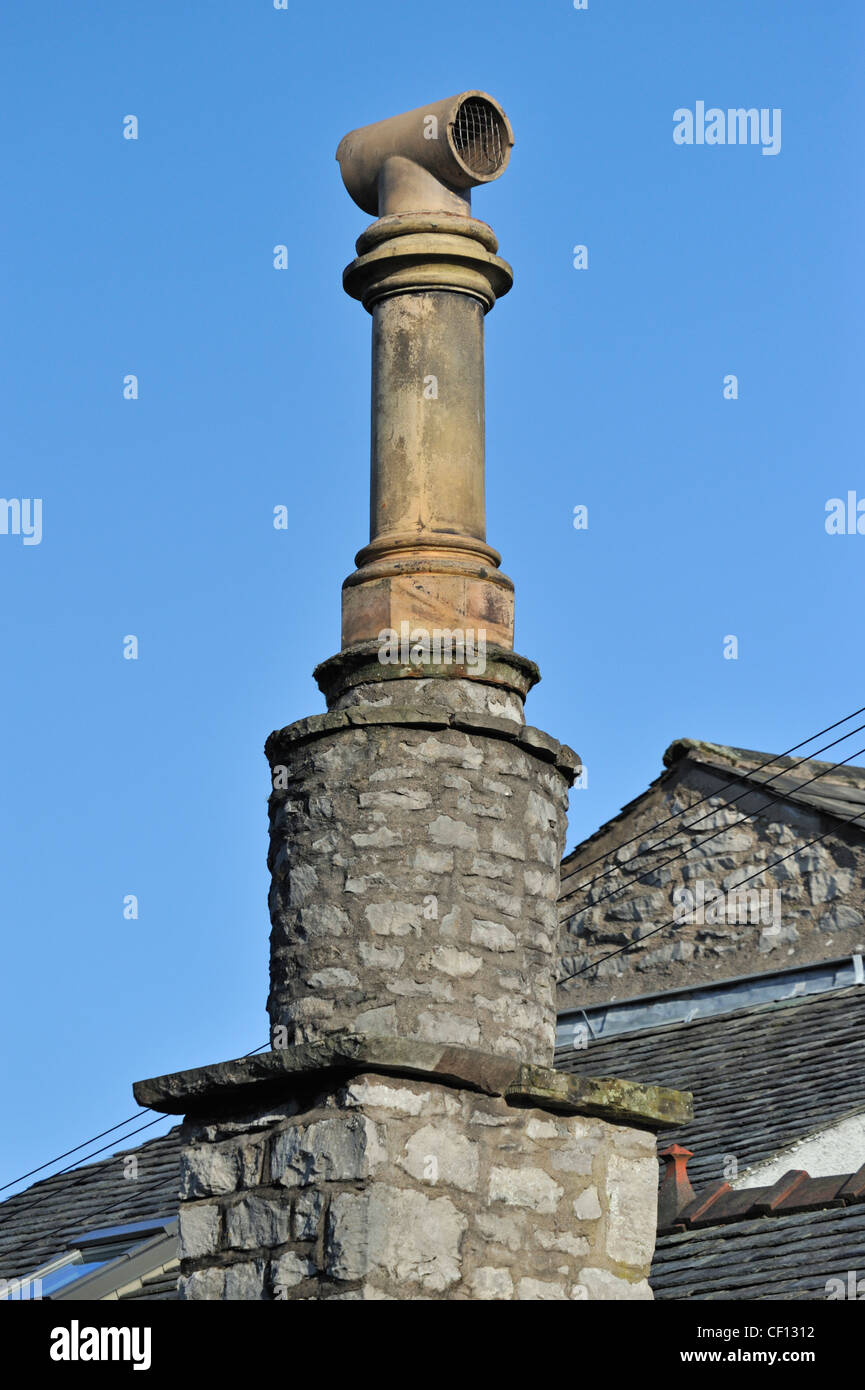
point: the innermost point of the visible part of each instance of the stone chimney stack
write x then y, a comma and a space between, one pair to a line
416, 831
406, 1137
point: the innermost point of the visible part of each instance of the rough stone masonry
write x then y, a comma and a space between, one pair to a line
798, 905
366, 1168
415, 859
406, 1137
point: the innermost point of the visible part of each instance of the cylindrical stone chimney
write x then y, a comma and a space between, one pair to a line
417, 828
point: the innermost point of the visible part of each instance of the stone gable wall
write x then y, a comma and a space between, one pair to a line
818, 914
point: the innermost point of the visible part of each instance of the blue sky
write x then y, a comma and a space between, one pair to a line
604, 388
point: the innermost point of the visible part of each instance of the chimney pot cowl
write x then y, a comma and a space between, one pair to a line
676, 1192
429, 159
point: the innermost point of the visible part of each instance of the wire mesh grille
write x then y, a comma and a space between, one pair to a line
478, 136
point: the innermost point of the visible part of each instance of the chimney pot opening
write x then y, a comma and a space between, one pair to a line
480, 138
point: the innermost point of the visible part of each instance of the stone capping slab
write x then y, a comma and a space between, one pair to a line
531, 740
619, 1102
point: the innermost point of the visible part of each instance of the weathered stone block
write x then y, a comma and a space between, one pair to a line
525, 1187
441, 1153
257, 1222
199, 1230
345, 1148
587, 1207
405, 1236
289, 1270
308, 1206
245, 1282
202, 1285
631, 1209
600, 1284
207, 1170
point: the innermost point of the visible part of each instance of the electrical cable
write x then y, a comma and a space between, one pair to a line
746, 815
727, 785
674, 921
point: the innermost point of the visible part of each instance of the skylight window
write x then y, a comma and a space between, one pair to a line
90, 1251
68, 1273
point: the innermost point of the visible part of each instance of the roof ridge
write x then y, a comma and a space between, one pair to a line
731, 755
717, 1203
728, 758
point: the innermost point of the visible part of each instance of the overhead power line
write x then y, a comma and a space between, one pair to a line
84, 1161
637, 874
768, 763
52, 1161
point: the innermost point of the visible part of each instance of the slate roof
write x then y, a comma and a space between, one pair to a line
770, 1258
762, 1077
840, 792
42, 1221
155, 1288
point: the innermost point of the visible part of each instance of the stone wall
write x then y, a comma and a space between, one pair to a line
456, 696
401, 1188
415, 856
818, 913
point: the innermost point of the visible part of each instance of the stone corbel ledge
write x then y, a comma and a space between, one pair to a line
533, 741
247, 1079
359, 665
